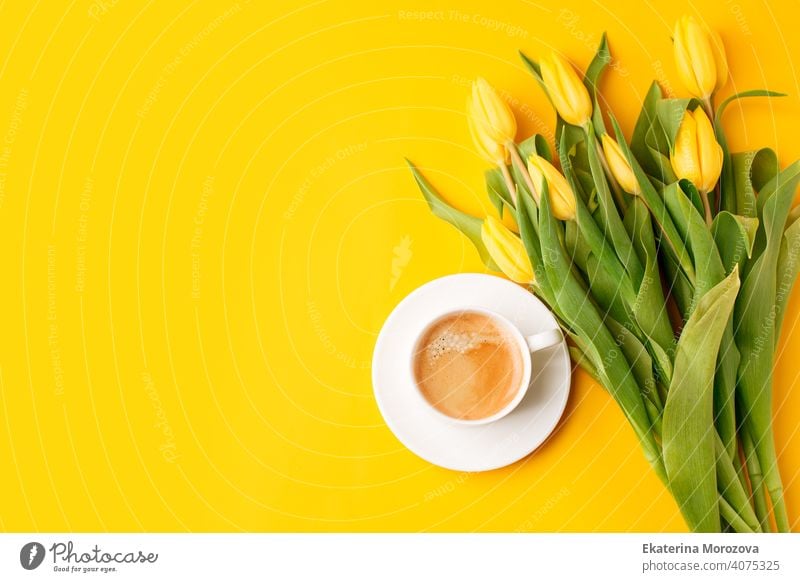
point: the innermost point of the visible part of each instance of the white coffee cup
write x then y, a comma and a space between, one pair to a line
527, 344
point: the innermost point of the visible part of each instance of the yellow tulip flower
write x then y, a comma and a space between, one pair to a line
507, 251
566, 90
697, 156
700, 57
490, 150
562, 198
619, 166
491, 122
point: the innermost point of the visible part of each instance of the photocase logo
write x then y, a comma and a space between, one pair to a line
31, 555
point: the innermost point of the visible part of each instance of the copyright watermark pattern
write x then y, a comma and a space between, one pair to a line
471, 18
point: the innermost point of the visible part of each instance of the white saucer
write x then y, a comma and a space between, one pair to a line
447, 444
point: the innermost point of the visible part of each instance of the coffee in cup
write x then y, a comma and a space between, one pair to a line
468, 365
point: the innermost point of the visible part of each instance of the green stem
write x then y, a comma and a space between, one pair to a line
516, 159
767, 457
756, 480
729, 514
743, 479
718, 197
706, 207
661, 388
657, 416
731, 489
725, 391
512, 188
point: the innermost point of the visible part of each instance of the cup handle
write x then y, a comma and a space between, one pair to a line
545, 339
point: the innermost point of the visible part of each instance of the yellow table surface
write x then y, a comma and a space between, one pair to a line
205, 218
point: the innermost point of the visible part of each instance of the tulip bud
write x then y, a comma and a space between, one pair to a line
507, 251
700, 57
562, 198
697, 156
619, 166
490, 150
566, 90
491, 122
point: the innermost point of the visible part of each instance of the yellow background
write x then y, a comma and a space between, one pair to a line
205, 219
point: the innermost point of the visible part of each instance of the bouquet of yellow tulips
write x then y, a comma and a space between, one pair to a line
631, 230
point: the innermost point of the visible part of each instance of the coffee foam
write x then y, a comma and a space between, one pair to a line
460, 342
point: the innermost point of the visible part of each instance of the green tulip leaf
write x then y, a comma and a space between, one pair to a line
576, 246
670, 237
670, 114
588, 191
532, 66
592, 80
586, 356
582, 360
734, 236
688, 428
536, 144
498, 192
584, 320
727, 183
528, 231
756, 329
649, 141
640, 361
571, 145
788, 266
732, 490
693, 195
664, 172
727, 180
606, 290
594, 71
742, 95
750, 171
609, 218
590, 232
709, 271
649, 307
536, 71
567, 152
469, 225
697, 237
